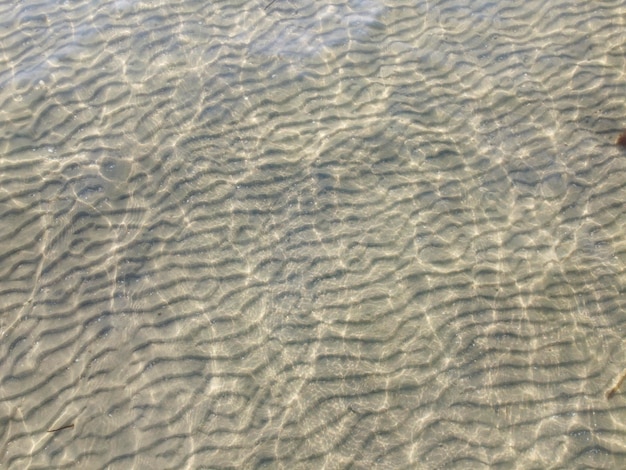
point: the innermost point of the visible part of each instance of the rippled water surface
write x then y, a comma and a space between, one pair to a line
333, 234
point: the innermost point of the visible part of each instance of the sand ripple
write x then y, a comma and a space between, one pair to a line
361, 234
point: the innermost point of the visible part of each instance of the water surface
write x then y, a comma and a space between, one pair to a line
361, 234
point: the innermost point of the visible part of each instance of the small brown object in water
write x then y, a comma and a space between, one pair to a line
67, 426
621, 139
613, 390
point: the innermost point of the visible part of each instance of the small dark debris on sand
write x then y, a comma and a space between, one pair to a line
618, 383
67, 426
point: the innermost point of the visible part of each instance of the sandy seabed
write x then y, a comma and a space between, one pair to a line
288, 234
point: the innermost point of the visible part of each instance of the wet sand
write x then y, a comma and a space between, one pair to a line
284, 234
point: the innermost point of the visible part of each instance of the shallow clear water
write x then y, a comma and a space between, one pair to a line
363, 234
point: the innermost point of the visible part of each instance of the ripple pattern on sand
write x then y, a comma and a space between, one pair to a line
364, 234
